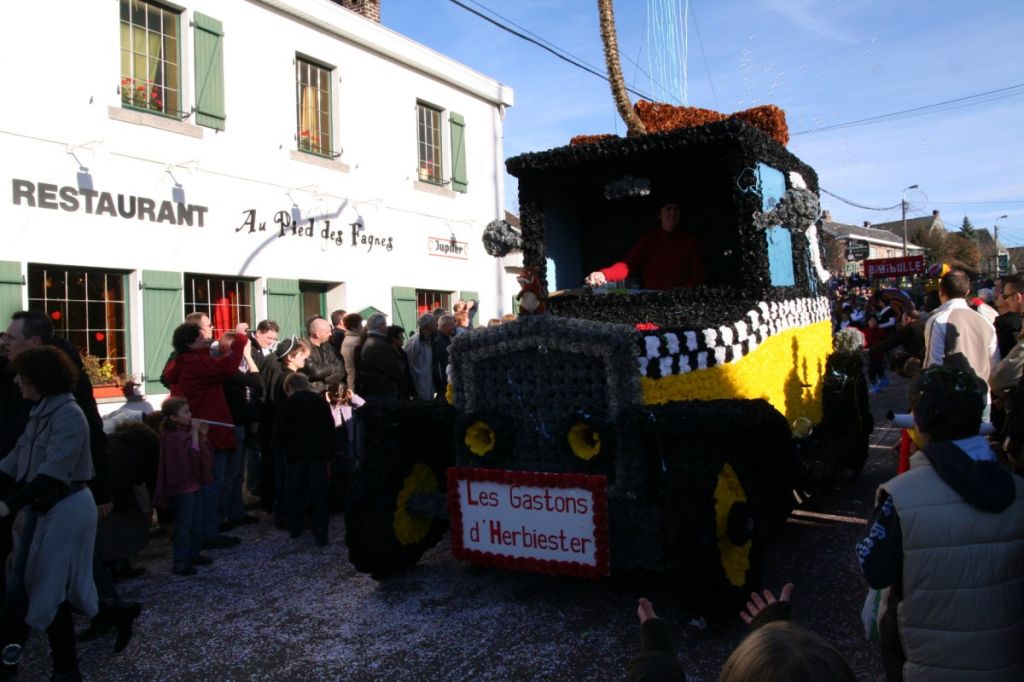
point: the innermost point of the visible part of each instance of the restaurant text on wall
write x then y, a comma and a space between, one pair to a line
126, 206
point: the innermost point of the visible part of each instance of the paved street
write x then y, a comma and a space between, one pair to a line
279, 609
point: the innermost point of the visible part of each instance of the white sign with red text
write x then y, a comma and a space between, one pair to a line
537, 517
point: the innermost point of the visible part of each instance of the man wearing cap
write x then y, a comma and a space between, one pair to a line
419, 349
947, 542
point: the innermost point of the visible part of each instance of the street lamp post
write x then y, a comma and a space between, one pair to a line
903, 205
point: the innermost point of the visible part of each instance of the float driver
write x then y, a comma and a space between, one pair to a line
666, 258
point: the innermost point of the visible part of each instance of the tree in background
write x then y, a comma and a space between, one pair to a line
934, 242
963, 251
967, 229
833, 253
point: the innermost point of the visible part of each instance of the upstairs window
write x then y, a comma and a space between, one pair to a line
150, 57
313, 105
428, 138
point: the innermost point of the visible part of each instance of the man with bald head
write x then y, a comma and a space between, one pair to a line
323, 367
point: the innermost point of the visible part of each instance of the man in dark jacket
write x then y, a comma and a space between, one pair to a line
323, 367
304, 433
380, 369
264, 341
337, 330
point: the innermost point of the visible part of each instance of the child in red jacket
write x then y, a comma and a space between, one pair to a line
186, 465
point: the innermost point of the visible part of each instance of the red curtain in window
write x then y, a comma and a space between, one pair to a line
222, 317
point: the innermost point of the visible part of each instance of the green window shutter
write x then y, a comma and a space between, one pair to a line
403, 308
162, 311
11, 285
209, 37
284, 305
459, 178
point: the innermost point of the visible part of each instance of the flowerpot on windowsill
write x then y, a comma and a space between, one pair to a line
109, 391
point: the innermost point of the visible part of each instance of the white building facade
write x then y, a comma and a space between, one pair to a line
252, 159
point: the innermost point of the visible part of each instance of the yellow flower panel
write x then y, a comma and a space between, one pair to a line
787, 370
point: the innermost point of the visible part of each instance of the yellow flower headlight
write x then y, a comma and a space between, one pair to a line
449, 393
411, 529
585, 441
480, 438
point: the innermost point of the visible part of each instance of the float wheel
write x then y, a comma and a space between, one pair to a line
383, 534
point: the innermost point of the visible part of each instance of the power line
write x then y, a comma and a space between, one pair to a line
564, 57
854, 203
532, 34
991, 95
978, 203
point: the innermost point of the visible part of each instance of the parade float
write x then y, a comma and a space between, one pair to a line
632, 429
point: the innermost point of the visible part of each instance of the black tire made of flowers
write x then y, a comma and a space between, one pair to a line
408, 449
847, 422
721, 475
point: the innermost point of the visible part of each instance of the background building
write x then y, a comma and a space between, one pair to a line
247, 158
854, 245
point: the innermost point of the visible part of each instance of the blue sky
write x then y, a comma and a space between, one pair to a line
823, 61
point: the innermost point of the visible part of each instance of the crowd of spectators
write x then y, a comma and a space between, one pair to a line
257, 419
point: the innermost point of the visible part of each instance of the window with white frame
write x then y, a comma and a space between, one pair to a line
226, 300
87, 307
428, 139
313, 107
150, 57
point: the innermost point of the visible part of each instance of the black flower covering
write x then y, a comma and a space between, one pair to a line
500, 238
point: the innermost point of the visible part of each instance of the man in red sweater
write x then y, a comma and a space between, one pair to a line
665, 258
194, 374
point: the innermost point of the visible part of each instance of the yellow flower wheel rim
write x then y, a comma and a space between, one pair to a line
735, 559
411, 529
480, 438
585, 441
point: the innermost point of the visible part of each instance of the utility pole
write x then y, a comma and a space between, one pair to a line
903, 205
995, 237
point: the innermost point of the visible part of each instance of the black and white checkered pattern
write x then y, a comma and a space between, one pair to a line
668, 353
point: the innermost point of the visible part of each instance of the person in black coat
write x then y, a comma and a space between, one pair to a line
290, 357
304, 434
380, 372
324, 366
